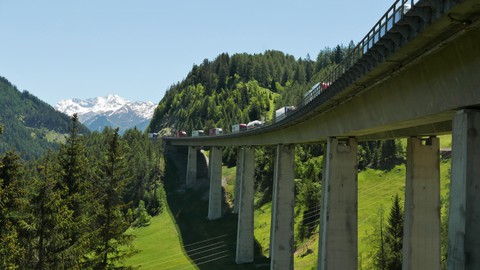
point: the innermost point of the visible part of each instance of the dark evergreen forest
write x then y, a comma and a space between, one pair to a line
70, 208
31, 125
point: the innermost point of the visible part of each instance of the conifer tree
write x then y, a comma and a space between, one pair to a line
388, 254
142, 218
11, 211
380, 257
394, 235
76, 193
51, 216
112, 244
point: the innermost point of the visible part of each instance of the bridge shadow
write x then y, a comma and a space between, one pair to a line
210, 244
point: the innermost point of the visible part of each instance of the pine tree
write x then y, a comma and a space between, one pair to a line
142, 218
112, 244
338, 55
380, 259
388, 253
51, 216
394, 235
11, 211
77, 195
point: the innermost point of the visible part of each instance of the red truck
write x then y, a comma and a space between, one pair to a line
215, 131
181, 133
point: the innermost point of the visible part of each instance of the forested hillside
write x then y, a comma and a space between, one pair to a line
240, 88
31, 125
70, 208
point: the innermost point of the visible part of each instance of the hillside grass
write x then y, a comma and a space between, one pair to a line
271, 112
160, 245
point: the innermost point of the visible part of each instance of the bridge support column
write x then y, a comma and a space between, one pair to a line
421, 231
191, 177
238, 177
281, 230
215, 196
210, 163
338, 217
245, 238
464, 220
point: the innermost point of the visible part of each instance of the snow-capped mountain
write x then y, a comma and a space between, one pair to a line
112, 110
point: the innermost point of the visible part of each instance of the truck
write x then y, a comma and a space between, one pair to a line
152, 135
215, 131
197, 133
239, 127
312, 93
181, 133
255, 124
283, 112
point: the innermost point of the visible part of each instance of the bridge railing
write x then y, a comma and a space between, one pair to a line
392, 16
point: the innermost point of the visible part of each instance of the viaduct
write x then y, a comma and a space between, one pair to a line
416, 75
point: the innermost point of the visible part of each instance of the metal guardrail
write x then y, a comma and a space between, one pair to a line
393, 15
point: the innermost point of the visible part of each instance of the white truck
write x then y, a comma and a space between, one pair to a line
238, 127
281, 113
215, 131
196, 133
255, 124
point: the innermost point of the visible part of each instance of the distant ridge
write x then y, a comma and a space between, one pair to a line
111, 110
31, 126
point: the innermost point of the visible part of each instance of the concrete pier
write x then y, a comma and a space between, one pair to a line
191, 177
338, 218
281, 232
421, 231
210, 163
215, 196
238, 177
464, 219
245, 237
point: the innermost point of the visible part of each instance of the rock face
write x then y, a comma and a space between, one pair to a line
111, 110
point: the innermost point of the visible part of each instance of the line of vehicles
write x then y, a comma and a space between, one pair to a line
280, 114
380, 29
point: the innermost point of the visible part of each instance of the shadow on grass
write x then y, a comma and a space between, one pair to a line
210, 244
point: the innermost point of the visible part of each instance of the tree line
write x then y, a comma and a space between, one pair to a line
70, 208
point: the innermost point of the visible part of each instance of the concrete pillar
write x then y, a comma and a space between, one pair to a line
421, 230
281, 232
245, 238
210, 162
238, 177
338, 217
215, 196
191, 177
464, 220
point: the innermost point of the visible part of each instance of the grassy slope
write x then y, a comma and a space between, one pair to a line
375, 189
160, 245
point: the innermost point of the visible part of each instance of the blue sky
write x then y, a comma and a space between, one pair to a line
59, 49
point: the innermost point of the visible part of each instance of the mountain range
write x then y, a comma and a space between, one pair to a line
111, 110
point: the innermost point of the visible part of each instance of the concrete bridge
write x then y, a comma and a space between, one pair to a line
416, 75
